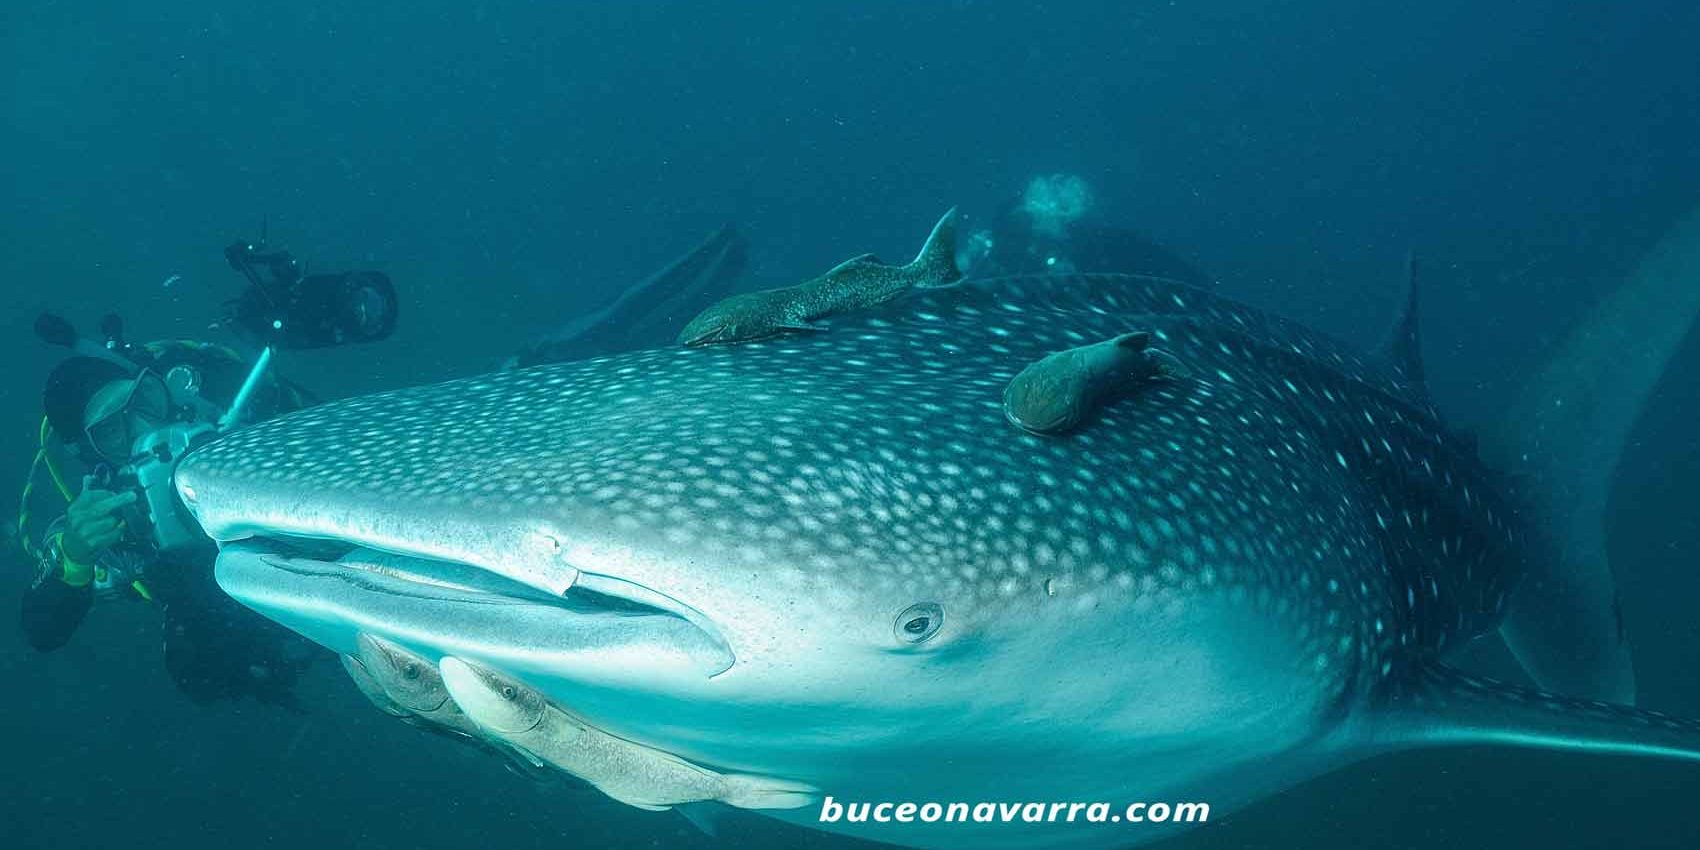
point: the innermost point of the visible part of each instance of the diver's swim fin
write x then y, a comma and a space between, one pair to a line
1444, 706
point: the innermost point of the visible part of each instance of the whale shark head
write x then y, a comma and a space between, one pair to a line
829, 558
826, 557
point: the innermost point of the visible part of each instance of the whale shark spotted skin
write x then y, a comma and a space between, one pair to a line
827, 558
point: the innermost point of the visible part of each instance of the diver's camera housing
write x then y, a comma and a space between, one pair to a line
158, 518
171, 526
285, 307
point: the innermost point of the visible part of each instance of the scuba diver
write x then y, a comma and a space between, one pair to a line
649, 313
124, 535
1050, 229
127, 414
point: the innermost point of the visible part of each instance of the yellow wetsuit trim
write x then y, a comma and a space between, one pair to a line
43, 457
47, 460
73, 573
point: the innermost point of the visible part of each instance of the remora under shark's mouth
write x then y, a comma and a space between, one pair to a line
332, 590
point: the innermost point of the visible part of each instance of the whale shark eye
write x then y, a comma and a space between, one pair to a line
919, 622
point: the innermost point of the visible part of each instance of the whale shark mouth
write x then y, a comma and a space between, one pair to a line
328, 590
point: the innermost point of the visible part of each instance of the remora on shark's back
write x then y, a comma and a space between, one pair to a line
857, 283
828, 559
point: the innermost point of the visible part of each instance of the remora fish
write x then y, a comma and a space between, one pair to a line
828, 559
856, 283
632, 774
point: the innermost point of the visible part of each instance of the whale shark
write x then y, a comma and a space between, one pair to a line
828, 559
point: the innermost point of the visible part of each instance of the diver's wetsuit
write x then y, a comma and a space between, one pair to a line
53, 608
214, 648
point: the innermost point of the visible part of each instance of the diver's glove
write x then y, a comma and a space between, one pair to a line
92, 525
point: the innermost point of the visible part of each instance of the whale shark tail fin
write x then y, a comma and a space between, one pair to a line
1441, 706
1564, 435
936, 264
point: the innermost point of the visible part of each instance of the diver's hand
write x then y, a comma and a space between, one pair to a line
93, 524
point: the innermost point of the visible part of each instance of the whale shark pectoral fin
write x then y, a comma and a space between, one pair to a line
1443, 706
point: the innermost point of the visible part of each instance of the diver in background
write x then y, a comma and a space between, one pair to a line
114, 541
1050, 229
649, 313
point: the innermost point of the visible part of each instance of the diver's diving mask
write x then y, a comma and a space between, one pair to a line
122, 412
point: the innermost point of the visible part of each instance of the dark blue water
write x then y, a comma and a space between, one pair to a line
511, 162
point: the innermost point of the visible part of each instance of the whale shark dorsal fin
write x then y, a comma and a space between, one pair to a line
1402, 350
1441, 706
